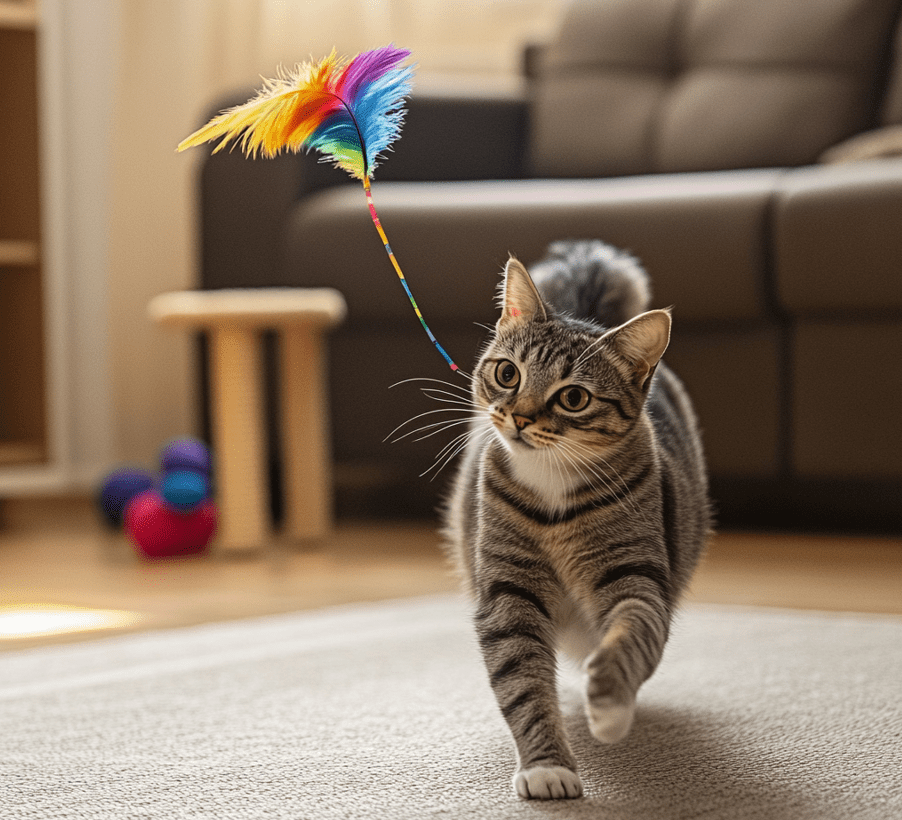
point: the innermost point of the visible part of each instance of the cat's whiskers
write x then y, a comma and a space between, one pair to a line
449, 451
438, 427
454, 385
585, 462
546, 479
552, 454
605, 480
546, 466
403, 424
451, 398
540, 470
590, 459
462, 404
454, 447
598, 460
587, 475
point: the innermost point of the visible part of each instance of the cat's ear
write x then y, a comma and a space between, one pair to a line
520, 301
642, 341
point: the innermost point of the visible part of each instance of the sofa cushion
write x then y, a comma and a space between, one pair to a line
734, 378
836, 249
453, 238
647, 86
847, 400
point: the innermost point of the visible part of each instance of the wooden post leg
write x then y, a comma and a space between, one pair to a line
308, 481
239, 444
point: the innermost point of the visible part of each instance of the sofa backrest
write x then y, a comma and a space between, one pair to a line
646, 86
891, 109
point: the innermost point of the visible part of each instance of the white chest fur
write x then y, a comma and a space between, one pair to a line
546, 473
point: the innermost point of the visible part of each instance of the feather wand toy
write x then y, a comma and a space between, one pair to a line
348, 111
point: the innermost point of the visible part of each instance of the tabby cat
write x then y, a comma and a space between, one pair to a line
581, 506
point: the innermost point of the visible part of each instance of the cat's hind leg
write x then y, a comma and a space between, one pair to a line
630, 650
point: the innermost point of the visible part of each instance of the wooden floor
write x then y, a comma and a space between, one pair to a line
57, 557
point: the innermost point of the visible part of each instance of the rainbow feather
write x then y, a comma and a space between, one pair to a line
350, 111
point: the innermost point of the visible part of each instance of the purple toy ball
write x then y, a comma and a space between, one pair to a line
186, 454
118, 488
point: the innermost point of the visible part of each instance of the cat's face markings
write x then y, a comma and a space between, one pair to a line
552, 381
540, 398
531, 392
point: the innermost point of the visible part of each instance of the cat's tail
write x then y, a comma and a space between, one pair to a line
592, 280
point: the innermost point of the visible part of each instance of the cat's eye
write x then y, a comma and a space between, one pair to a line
506, 374
574, 398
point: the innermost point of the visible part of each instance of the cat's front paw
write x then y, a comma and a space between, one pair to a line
547, 783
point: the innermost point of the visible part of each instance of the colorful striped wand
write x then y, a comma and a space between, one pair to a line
348, 111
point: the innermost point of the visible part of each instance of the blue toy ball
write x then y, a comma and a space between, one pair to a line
120, 487
186, 454
184, 489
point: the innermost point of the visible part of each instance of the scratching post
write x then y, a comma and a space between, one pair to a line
233, 319
305, 433
237, 419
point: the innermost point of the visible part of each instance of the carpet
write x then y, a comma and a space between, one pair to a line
383, 711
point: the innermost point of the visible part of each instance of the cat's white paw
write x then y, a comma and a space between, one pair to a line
547, 783
610, 719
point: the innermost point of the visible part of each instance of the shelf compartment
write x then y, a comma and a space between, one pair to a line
22, 377
19, 174
16, 253
15, 453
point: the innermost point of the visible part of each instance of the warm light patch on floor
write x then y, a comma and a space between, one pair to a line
29, 621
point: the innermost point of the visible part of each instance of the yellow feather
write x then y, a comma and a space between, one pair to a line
283, 114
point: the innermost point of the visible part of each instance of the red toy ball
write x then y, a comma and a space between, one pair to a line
160, 531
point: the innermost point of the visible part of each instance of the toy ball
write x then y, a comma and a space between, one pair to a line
186, 454
184, 489
159, 531
118, 488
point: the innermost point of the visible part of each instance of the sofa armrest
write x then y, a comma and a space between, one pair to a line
837, 246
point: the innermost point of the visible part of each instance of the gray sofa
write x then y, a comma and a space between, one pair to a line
745, 151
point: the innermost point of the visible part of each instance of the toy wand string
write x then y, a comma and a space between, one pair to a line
348, 111
397, 267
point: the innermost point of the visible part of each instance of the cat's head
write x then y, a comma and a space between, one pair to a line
548, 380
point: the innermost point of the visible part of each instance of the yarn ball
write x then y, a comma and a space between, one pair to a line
118, 488
159, 531
184, 489
185, 454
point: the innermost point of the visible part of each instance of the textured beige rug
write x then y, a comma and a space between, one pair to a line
383, 711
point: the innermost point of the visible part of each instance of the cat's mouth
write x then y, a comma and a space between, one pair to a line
523, 438
519, 438
511, 437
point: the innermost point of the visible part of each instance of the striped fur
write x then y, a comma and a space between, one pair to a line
580, 508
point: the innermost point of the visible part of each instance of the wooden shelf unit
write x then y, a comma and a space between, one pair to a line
18, 14
23, 413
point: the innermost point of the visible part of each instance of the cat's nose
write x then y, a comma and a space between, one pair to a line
522, 421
